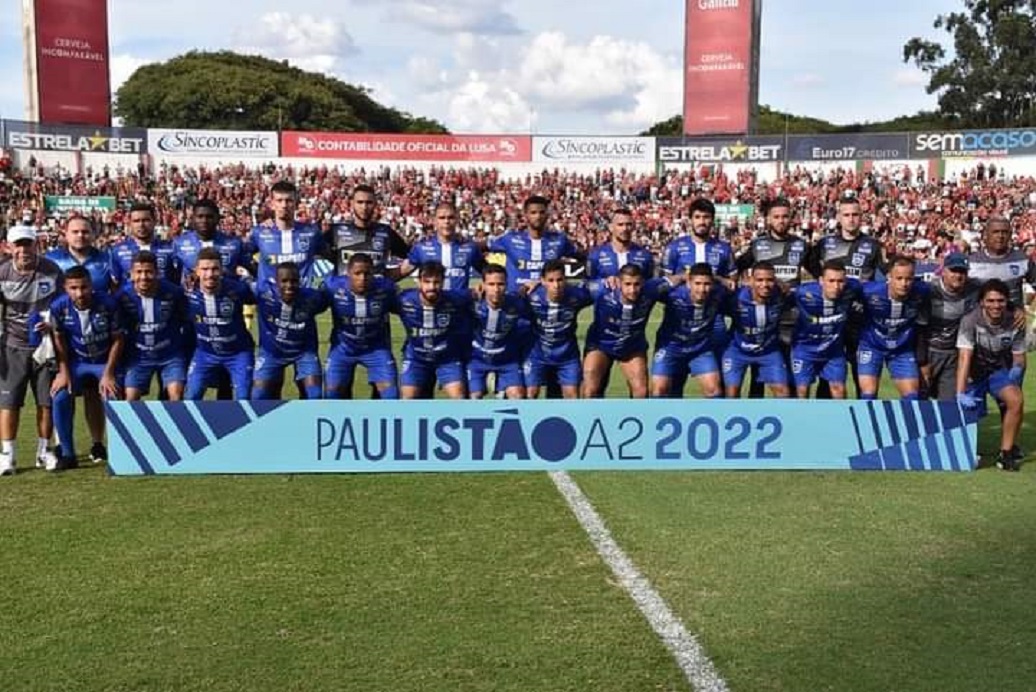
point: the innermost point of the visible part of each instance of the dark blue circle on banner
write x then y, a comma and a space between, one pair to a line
553, 439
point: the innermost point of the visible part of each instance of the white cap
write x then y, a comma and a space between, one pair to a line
16, 233
922, 244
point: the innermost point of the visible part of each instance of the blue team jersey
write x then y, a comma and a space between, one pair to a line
157, 324
123, 252
526, 256
618, 327
891, 325
89, 334
436, 333
287, 331
300, 245
689, 326
756, 325
231, 250
554, 324
604, 261
684, 252
459, 258
499, 333
98, 262
820, 324
360, 323
219, 325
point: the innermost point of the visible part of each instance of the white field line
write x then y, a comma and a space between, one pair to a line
689, 654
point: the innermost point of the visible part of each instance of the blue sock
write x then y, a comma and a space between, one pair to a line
913, 396
63, 411
390, 392
314, 391
868, 397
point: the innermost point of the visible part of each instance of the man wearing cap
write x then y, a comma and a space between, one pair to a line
28, 284
953, 296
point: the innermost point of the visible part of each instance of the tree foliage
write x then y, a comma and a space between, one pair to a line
226, 90
990, 80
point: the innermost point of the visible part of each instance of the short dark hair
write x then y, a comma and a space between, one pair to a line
701, 269
78, 272
431, 270
284, 187
363, 187
206, 204
765, 266
775, 203
359, 258
209, 254
703, 205
493, 268
146, 257
833, 265
535, 199
554, 265
631, 269
143, 206
622, 211
901, 261
288, 267
994, 286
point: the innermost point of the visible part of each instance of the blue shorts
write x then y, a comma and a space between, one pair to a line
675, 363
507, 375
82, 372
140, 372
902, 364
538, 372
992, 385
772, 369
341, 368
807, 366
423, 374
206, 367
270, 368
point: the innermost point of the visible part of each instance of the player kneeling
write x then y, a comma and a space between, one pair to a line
501, 323
223, 341
438, 336
685, 341
991, 360
617, 333
554, 306
288, 335
88, 340
818, 345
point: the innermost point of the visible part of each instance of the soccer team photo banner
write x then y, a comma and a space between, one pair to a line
210, 437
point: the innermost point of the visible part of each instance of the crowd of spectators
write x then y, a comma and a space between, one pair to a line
903, 207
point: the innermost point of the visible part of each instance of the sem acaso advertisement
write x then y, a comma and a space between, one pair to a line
242, 143
345, 145
611, 151
72, 76
201, 437
973, 143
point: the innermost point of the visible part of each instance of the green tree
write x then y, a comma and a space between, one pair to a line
226, 90
990, 80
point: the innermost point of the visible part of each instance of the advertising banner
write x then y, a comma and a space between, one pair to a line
233, 143
607, 151
118, 140
351, 145
730, 150
973, 143
862, 146
72, 77
719, 66
741, 212
64, 204
227, 437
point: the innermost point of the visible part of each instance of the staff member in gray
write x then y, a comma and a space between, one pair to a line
998, 259
953, 296
28, 284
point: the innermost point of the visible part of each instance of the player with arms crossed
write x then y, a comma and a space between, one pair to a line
360, 306
501, 323
142, 219
818, 345
222, 340
757, 311
88, 339
288, 335
461, 258
554, 306
685, 342
438, 336
894, 331
617, 333
155, 313
991, 360
605, 261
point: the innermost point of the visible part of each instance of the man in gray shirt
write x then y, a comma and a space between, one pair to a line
953, 296
28, 284
999, 260
991, 360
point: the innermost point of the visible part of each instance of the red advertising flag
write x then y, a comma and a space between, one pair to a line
718, 66
73, 84
350, 145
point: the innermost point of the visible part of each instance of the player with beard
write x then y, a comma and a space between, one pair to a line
605, 261
142, 237
757, 310
787, 254
285, 239
364, 234
862, 256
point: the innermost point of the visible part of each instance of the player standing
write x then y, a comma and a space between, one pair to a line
286, 240
460, 257
605, 261
527, 252
205, 233
142, 220
364, 234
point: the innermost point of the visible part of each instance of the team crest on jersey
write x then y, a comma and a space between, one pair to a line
1015, 270
858, 259
45, 286
226, 308
794, 257
374, 309
304, 243
442, 319
165, 311
101, 323
1005, 340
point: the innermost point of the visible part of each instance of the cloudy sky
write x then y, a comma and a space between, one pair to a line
607, 67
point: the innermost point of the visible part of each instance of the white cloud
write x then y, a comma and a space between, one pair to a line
487, 105
909, 77
122, 68
807, 80
451, 16
309, 43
